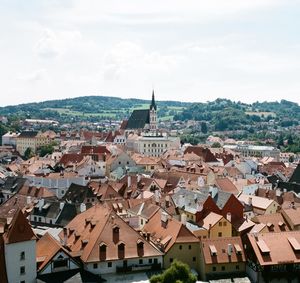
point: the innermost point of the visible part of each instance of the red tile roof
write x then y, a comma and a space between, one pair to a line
275, 248
19, 230
94, 228
216, 250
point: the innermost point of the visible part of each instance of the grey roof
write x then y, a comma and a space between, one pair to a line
77, 193
28, 134
138, 119
68, 212
296, 175
191, 198
13, 184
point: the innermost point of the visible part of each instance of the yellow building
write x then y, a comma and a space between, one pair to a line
222, 258
174, 239
31, 139
217, 226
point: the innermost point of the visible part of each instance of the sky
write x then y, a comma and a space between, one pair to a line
195, 51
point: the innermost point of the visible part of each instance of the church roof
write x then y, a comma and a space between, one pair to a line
138, 119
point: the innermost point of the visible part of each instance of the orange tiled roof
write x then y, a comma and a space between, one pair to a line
221, 250
276, 248
46, 248
94, 227
173, 232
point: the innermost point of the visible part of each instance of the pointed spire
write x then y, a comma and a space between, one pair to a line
153, 105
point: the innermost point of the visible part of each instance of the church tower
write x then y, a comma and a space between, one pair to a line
152, 114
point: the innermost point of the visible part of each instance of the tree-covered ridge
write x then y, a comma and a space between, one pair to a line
88, 108
224, 114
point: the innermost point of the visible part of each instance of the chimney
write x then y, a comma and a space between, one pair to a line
28, 200
183, 219
148, 236
41, 204
82, 207
181, 200
228, 216
139, 177
164, 219
250, 201
229, 249
65, 231
167, 199
129, 181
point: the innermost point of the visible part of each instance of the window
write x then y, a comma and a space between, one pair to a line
23, 281
220, 234
109, 264
220, 223
40, 219
180, 247
190, 247
150, 260
22, 255
140, 261
225, 223
142, 221
237, 267
60, 263
95, 265
22, 270
171, 259
223, 268
34, 218
214, 268
155, 261
194, 258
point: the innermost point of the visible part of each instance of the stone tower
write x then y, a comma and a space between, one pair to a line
153, 115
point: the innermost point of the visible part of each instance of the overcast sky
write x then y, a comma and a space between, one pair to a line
244, 50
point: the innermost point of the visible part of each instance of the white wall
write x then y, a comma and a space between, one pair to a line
13, 261
103, 268
48, 269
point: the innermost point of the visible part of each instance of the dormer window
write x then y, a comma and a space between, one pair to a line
116, 234
102, 251
140, 248
121, 250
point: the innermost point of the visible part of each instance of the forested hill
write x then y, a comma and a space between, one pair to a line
88, 108
221, 114
224, 114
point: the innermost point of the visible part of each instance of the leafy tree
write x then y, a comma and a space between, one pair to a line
216, 145
204, 128
178, 272
46, 149
28, 153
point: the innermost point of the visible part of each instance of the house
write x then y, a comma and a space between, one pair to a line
106, 244
259, 205
32, 140
173, 239
11, 186
216, 226
274, 256
222, 258
17, 250
143, 212
54, 213
52, 257
292, 217
273, 222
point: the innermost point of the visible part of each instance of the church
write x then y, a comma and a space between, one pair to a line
143, 119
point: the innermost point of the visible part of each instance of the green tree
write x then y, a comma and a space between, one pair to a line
204, 127
28, 153
176, 273
216, 145
46, 149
